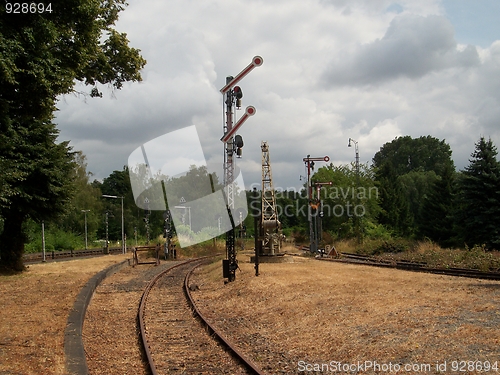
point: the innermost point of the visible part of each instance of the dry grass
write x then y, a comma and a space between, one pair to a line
35, 307
307, 310
425, 251
434, 256
321, 312
345, 246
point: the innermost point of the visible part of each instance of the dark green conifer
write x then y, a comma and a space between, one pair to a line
479, 197
436, 216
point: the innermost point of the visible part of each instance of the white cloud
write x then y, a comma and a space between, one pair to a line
412, 47
333, 69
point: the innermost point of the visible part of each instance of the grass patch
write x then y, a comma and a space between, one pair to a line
428, 252
472, 258
321, 311
207, 248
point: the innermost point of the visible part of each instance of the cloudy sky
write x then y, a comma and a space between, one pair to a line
370, 70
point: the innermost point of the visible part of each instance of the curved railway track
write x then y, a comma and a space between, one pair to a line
172, 330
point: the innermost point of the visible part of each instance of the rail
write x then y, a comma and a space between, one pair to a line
232, 349
52, 255
412, 266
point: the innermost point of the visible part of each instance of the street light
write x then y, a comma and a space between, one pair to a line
123, 229
189, 214
357, 153
357, 223
85, 212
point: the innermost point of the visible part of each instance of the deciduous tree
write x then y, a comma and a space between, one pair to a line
42, 56
416, 163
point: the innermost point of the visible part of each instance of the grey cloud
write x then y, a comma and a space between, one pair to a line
412, 47
445, 92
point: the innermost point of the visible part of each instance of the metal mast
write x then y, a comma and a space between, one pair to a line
271, 227
232, 95
357, 224
309, 162
228, 154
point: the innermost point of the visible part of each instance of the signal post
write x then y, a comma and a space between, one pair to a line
232, 145
309, 162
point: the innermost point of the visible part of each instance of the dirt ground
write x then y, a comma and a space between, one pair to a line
34, 310
294, 318
309, 315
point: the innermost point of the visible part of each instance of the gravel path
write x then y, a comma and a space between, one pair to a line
110, 333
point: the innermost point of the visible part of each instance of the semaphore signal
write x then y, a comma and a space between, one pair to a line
232, 146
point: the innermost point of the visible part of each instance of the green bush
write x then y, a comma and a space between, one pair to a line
380, 246
55, 239
376, 231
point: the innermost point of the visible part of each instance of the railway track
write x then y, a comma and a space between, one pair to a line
177, 338
407, 265
413, 266
56, 255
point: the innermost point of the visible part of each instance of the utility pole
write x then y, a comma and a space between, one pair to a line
43, 241
85, 213
309, 162
124, 250
106, 249
232, 145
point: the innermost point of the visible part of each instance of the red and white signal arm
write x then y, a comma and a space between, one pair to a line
325, 159
249, 111
256, 61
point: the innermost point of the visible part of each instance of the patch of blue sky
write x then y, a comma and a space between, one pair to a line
476, 22
394, 8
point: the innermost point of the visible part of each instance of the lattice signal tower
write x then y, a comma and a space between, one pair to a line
270, 224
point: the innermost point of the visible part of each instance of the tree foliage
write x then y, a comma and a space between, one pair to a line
438, 208
407, 154
351, 203
42, 56
35, 182
47, 52
479, 197
86, 198
395, 208
406, 169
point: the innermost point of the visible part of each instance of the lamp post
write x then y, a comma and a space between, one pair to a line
123, 228
356, 149
85, 212
356, 219
43, 241
189, 214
